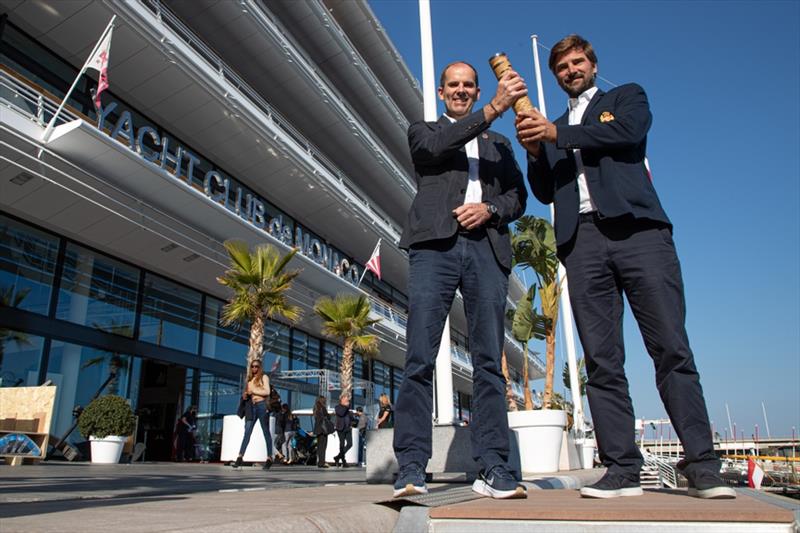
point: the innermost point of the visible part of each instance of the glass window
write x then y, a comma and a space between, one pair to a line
97, 291
217, 397
276, 346
79, 372
170, 314
27, 263
331, 355
226, 343
397, 380
382, 378
20, 357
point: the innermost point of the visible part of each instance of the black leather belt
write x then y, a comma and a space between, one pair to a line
591, 217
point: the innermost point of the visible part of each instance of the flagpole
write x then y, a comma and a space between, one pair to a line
566, 308
49, 130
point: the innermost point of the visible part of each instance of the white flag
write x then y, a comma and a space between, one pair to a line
99, 62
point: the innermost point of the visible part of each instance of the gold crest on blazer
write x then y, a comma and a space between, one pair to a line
605, 116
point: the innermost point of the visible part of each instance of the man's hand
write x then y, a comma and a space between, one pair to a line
510, 87
471, 216
532, 129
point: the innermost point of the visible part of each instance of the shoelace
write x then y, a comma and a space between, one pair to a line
412, 469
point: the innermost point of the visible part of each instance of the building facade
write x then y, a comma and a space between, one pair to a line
273, 122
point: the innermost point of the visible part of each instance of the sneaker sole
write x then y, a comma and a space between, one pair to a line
714, 493
484, 489
410, 490
588, 492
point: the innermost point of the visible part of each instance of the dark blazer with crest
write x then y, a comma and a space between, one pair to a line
442, 172
612, 138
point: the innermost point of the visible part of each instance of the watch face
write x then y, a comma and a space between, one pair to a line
492, 208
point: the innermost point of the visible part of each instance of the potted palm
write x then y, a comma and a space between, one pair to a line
540, 431
107, 422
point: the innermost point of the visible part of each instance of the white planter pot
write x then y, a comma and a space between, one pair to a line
588, 448
538, 435
107, 450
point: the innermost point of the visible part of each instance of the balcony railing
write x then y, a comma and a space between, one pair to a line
187, 37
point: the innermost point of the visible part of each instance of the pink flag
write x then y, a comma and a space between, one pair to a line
374, 263
99, 62
647, 166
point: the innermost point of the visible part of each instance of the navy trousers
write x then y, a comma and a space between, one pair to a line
605, 259
436, 269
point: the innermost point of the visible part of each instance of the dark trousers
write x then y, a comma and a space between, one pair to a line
605, 259
322, 445
345, 442
259, 413
436, 270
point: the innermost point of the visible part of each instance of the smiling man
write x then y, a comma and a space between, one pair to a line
614, 237
469, 188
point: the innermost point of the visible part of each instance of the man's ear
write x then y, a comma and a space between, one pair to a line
440, 92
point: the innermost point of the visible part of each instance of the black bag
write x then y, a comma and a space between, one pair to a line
327, 425
241, 411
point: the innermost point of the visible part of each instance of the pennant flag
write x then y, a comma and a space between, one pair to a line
647, 167
755, 474
99, 62
374, 263
275, 365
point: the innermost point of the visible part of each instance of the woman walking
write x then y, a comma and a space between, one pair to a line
321, 420
256, 392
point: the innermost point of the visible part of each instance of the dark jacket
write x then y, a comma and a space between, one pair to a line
343, 417
442, 172
612, 138
318, 416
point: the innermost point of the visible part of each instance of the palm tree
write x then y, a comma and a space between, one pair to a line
346, 317
534, 246
259, 283
582, 379
116, 361
9, 299
512, 404
526, 325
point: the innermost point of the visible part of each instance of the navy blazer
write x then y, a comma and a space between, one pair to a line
442, 172
612, 138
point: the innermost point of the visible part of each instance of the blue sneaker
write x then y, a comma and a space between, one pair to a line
498, 483
410, 480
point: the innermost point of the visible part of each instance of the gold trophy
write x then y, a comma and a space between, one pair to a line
500, 65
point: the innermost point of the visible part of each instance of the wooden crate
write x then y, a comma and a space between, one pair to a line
29, 411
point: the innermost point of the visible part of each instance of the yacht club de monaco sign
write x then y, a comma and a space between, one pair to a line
164, 152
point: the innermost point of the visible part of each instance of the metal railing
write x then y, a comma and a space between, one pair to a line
187, 37
667, 473
38, 107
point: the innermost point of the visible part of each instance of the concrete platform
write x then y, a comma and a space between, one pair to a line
655, 511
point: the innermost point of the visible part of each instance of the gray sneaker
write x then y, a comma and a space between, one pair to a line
498, 483
612, 486
410, 480
709, 486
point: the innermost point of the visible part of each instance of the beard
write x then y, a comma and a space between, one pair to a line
574, 91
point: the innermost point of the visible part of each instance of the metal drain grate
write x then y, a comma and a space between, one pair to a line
437, 497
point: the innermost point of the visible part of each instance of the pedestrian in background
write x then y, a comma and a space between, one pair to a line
384, 413
256, 392
321, 420
344, 425
361, 425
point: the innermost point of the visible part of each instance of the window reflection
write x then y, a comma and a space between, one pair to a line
20, 356
27, 262
97, 291
170, 314
220, 342
217, 397
78, 372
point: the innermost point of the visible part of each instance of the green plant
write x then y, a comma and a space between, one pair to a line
534, 246
582, 379
347, 317
260, 284
106, 415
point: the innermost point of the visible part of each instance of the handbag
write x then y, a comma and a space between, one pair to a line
241, 411
327, 425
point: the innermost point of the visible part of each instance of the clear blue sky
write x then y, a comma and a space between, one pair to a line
723, 84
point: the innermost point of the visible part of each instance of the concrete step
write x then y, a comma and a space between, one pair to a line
556, 511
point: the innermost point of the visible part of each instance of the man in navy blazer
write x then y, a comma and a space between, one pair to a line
469, 188
613, 237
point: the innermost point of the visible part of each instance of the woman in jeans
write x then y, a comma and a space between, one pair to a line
257, 390
320, 413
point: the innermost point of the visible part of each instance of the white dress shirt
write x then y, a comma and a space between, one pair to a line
577, 107
474, 194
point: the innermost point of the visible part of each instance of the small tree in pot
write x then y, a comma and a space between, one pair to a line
107, 422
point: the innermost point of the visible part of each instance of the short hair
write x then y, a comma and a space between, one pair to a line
444, 71
567, 44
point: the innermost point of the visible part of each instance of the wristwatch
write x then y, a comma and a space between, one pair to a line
491, 208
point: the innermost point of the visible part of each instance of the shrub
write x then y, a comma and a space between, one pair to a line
106, 415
